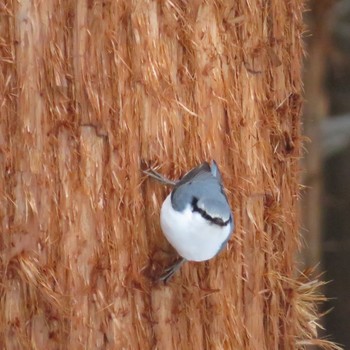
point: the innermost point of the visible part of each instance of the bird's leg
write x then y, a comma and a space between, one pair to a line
159, 177
169, 272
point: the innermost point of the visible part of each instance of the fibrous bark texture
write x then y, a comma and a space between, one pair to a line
91, 93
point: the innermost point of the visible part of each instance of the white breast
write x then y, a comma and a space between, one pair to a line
190, 234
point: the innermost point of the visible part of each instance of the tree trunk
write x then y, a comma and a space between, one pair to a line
92, 92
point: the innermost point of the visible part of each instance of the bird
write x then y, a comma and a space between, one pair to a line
195, 217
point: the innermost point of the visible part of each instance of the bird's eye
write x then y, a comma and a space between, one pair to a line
194, 202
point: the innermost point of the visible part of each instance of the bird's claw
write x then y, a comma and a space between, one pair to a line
155, 175
170, 271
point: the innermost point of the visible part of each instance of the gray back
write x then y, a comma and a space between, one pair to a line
204, 184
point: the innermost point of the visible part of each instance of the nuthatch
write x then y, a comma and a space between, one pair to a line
195, 217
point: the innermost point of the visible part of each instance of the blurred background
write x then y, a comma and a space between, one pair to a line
326, 172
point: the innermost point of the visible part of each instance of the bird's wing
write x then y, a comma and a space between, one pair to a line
204, 168
201, 183
215, 170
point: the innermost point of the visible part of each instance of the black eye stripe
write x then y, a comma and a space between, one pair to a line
205, 215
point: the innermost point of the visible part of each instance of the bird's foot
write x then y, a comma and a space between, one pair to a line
170, 271
159, 177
